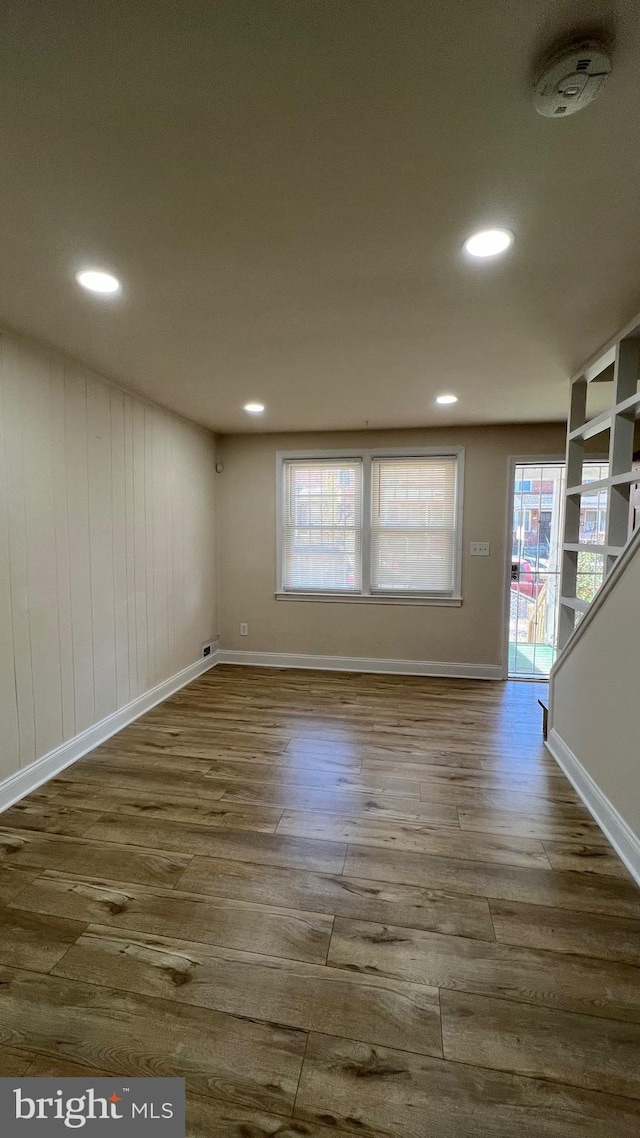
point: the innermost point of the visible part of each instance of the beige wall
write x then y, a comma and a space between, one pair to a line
247, 543
595, 697
107, 582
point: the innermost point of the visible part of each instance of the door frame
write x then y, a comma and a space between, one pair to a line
513, 461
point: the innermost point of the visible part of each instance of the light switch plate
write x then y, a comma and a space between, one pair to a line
480, 549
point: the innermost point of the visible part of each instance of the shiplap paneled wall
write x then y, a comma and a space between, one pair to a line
107, 571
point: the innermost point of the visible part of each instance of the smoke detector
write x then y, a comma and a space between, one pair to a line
572, 78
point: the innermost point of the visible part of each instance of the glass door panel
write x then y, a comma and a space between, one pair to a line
536, 549
536, 557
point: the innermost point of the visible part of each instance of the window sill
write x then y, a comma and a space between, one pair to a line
359, 599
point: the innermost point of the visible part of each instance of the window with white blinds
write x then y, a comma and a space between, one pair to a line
413, 525
322, 526
371, 525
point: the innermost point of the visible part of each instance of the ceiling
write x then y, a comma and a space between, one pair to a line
284, 188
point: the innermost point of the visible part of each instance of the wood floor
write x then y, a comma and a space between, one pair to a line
365, 905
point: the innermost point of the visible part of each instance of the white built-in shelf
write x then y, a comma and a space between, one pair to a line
627, 405
591, 547
593, 427
587, 488
585, 547
602, 422
574, 603
580, 547
623, 352
603, 483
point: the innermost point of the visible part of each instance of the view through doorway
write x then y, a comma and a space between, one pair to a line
536, 557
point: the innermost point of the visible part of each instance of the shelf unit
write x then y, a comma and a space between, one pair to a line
624, 353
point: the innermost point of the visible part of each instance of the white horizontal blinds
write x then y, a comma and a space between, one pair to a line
322, 521
413, 523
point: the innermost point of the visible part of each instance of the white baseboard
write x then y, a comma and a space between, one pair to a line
361, 664
25, 781
622, 838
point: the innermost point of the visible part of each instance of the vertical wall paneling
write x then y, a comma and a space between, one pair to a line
178, 549
79, 547
160, 581
129, 508
107, 573
149, 560
140, 548
42, 590
9, 745
18, 573
119, 546
168, 523
101, 547
63, 564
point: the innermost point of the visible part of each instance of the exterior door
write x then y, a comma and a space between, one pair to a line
536, 547
536, 552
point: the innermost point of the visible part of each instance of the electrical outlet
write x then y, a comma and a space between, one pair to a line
480, 549
244, 629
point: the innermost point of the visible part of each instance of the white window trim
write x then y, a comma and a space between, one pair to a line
366, 456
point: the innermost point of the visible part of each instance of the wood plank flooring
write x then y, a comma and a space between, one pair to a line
335, 903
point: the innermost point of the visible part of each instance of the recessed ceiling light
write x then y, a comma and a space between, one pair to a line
254, 408
488, 242
444, 399
95, 280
